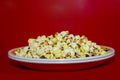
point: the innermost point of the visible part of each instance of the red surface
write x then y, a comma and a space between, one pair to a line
99, 20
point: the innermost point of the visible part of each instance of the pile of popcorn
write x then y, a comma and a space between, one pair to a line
60, 46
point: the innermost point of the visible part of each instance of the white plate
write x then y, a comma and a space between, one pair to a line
48, 64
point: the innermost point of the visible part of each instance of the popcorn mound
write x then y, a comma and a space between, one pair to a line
60, 46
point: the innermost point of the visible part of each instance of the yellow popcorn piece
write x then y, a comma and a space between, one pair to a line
48, 56
25, 49
51, 36
40, 52
96, 51
91, 49
69, 52
77, 37
64, 45
29, 55
31, 40
86, 48
103, 52
54, 40
77, 50
41, 46
82, 49
57, 53
77, 41
35, 56
68, 41
43, 38
59, 38
82, 55
64, 33
73, 45
88, 43
17, 53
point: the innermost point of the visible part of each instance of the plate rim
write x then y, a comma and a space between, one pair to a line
61, 61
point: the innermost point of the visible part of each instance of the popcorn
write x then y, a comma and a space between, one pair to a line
59, 46
35, 56
31, 40
73, 45
103, 52
48, 56
82, 49
64, 33
69, 51
57, 53
70, 36
68, 41
77, 37
28, 55
64, 45
43, 38
54, 40
50, 37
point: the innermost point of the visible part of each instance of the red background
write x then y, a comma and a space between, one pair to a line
99, 20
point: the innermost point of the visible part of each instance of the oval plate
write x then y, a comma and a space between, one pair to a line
61, 64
